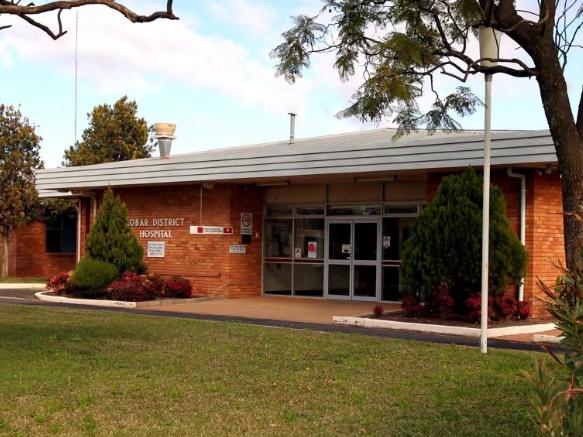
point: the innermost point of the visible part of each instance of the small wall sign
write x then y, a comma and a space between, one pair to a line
386, 241
211, 230
312, 249
347, 249
298, 252
246, 223
156, 249
237, 248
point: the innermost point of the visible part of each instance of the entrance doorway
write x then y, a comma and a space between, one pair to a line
353, 259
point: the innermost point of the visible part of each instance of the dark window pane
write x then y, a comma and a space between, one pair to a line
53, 241
339, 280
365, 281
278, 238
61, 234
339, 244
391, 283
277, 278
308, 279
365, 241
310, 210
395, 232
354, 210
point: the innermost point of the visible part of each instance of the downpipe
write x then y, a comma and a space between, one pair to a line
522, 177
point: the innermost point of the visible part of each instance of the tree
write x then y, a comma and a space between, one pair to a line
437, 252
115, 133
111, 239
403, 44
19, 158
29, 11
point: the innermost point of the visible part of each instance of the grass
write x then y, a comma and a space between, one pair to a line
12, 280
65, 371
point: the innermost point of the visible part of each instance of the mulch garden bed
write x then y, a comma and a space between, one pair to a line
400, 317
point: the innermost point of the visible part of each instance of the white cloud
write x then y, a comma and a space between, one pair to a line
116, 55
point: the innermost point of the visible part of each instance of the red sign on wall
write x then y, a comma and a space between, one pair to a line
211, 230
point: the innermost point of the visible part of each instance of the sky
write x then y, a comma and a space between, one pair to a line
210, 73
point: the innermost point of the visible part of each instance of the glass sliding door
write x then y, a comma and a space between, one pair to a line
352, 268
366, 262
339, 259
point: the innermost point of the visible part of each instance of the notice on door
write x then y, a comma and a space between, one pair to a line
156, 249
312, 249
347, 249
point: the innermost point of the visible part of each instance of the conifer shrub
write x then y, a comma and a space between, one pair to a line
111, 239
445, 243
91, 277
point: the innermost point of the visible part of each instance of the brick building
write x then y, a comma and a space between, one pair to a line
322, 217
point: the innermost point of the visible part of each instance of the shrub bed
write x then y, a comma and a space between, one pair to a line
440, 305
131, 287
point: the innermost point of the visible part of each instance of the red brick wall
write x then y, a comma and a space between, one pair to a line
544, 234
29, 257
203, 259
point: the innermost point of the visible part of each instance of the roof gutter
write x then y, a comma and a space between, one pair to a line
522, 178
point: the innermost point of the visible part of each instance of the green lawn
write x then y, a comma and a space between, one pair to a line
12, 280
65, 371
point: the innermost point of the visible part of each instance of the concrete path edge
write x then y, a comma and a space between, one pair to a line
464, 331
22, 286
47, 296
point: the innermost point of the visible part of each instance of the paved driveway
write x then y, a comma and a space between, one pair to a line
17, 295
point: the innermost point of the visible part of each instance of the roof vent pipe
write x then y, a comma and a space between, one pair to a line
292, 127
164, 134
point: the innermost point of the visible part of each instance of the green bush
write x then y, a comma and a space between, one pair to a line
446, 242
111, 238
91, 277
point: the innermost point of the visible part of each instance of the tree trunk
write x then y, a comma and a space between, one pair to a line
4, 266
568, 144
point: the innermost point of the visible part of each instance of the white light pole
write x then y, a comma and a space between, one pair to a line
489, 48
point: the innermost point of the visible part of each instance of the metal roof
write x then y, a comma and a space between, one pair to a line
359, 152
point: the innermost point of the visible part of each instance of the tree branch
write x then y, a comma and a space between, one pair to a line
47, 29
9, 7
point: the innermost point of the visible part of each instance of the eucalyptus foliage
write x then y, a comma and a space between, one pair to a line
111, 239
19, 159
115, 133
445, 245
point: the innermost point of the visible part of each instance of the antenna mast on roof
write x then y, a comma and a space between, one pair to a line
76, 71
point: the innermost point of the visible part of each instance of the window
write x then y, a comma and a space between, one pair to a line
339, 210
278, 234
395, 232
309, 236
61, 233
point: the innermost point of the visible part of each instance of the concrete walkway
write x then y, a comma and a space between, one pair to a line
278, 308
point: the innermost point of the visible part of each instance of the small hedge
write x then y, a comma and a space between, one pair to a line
91, 277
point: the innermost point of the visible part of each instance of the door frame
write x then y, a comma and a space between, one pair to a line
351, 263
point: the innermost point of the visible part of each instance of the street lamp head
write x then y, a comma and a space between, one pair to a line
489, 45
